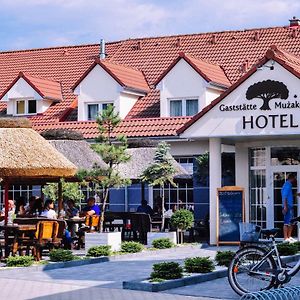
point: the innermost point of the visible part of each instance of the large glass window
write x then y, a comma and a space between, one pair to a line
186, 163
183, 107
282, 156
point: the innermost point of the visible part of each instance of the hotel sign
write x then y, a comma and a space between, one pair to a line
263, 93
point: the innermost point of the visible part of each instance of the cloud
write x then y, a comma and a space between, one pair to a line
39, 23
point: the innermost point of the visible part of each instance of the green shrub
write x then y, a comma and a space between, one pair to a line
286, 249
19, 261
162, 243
166, 270
61, 255
298, 245
199, 265
182, 219
102, 250
223, 258
131, 247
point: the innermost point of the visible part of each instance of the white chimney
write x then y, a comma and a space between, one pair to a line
102, 49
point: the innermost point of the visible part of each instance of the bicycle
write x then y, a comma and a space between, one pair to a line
260, 267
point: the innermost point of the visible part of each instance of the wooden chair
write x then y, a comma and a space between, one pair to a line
93, 222
46, 236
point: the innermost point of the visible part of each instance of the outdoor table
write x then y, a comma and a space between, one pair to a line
12, 233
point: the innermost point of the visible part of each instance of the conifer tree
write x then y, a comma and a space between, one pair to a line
160, 172
113, 152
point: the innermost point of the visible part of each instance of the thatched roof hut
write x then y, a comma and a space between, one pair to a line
24, 153
141, 159
79, 153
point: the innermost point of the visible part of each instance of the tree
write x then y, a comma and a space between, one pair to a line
70, 190
112, 154
267, 90
160, 172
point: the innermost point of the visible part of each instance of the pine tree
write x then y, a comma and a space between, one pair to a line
113, 152
160, 172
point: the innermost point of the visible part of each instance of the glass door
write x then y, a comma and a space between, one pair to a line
279, 177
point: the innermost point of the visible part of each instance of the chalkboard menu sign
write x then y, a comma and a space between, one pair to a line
230, 209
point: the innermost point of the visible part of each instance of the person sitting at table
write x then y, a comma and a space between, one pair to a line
29, 207
20, 206
71, 210
11, 212
92, 208
49, 211
145, 208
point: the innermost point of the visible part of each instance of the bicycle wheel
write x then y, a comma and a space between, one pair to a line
251, 271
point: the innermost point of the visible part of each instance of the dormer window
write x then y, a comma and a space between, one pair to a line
25, 107
93, 109
183, 107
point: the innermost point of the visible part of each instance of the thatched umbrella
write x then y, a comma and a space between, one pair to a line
25, 155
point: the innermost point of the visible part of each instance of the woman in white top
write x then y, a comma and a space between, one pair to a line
49, 211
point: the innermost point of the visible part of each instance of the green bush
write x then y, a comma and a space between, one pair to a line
61, 255
286, 249
19, 261
223, 258
131, 247
102, 250
166, 270
162, 243
199, 265
298, 245
182, 219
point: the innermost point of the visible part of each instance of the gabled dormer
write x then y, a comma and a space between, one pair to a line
107, 83
30, 95
188, 85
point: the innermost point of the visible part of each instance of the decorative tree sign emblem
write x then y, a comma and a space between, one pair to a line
267, 90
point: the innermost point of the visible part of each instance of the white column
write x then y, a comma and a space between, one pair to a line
215, 177
242, 173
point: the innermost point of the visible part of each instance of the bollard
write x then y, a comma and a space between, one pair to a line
287, 293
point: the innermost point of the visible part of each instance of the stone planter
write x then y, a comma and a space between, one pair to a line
171, 235
112, 239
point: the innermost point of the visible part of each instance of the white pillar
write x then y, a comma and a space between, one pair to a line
215, 179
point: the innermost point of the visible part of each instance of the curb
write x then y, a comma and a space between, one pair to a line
194, 279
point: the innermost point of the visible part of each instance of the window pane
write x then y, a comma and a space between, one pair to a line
92, 112
191, 107
105, 105
175, 108
20, 107
32, 106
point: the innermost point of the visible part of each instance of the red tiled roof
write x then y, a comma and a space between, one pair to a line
285, 59
150, 127
46, 88
125, 76
235, 51
210, 72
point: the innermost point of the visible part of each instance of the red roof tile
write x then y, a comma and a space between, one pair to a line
125, 76
46, 88
150, 127
210, 72
285, 59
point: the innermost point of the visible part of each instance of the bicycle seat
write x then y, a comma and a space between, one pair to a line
269, 232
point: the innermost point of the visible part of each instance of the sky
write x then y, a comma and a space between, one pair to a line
46, 23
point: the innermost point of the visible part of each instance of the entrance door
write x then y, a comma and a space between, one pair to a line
279, 177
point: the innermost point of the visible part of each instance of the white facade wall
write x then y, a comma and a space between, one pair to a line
184, 82
99, 87
21, 90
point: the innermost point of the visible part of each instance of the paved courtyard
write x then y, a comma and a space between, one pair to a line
104, 280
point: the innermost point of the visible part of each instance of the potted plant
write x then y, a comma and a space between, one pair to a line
182, 220
160, 173
112, 154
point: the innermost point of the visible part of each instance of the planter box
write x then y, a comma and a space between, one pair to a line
112, 239
157, 235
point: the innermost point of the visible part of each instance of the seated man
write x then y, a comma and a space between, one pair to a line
145, 208
92, 208
71, 210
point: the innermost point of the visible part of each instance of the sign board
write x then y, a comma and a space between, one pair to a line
230, 212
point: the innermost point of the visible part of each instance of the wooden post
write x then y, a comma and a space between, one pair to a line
60, 197
6, 191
